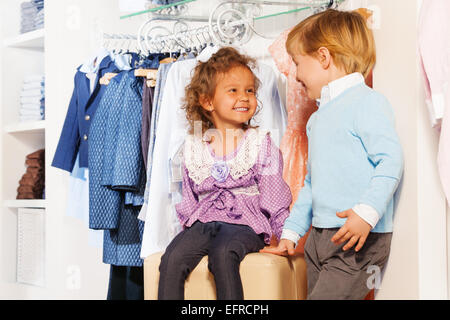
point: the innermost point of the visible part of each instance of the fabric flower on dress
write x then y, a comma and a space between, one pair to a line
220, 171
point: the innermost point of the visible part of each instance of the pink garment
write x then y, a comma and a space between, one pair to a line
294, 144
434, 53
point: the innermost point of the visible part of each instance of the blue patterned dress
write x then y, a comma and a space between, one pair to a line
116, 171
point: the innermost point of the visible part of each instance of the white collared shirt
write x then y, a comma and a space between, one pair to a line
336, 87
328, 93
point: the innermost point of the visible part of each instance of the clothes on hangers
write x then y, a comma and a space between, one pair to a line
164, 2
163, 224
107, 210
147, 104
115, 135
152, 62
434, 54
117, 182
83, 105
78, 202
157, 99
78, 190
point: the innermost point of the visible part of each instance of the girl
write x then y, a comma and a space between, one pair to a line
234, 196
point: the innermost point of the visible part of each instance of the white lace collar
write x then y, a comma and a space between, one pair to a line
199, 160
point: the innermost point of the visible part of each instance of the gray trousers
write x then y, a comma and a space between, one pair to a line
334, 274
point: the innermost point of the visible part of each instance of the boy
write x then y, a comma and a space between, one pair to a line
355, 160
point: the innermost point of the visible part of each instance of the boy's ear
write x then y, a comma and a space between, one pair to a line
324, 57
205, 102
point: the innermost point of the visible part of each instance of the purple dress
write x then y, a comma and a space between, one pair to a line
245, 187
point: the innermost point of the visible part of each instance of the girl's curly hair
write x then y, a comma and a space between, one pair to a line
204, 81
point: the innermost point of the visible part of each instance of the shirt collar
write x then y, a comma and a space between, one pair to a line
336, 87
92, 64
122, 62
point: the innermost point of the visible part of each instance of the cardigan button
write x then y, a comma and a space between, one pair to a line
87, 117
85, 137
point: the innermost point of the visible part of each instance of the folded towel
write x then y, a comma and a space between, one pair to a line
31, 182
32, 92
38, 177
33, 85
28, 196
31, 189
28, 12
32, 106
35, 171
28, 112
27, 22
26, 30
33, 78
33, 100
30, 118
39, 154
35, 163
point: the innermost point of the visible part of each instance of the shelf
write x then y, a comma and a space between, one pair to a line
157, 8
29, 40
25, 203
26, 127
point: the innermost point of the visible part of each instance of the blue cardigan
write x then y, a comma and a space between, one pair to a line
354, 157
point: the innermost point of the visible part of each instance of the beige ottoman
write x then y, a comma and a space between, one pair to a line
264, 277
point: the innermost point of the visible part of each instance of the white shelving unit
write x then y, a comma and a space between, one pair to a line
25, 203
20, 55
26, 127
29, 40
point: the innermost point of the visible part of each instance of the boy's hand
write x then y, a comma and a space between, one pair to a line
355, 229
284, 248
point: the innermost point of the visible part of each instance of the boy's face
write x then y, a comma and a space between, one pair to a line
311, 73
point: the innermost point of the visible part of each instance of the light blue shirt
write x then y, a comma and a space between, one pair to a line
354, 158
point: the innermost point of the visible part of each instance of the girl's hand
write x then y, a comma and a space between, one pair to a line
284, 248
355, 229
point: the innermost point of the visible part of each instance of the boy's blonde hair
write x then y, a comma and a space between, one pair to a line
344, 33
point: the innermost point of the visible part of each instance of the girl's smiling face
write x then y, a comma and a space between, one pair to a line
234, 102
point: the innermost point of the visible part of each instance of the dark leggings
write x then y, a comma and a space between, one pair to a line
225, 244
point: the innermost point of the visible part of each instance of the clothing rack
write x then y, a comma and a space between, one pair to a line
229, 23
181, 4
